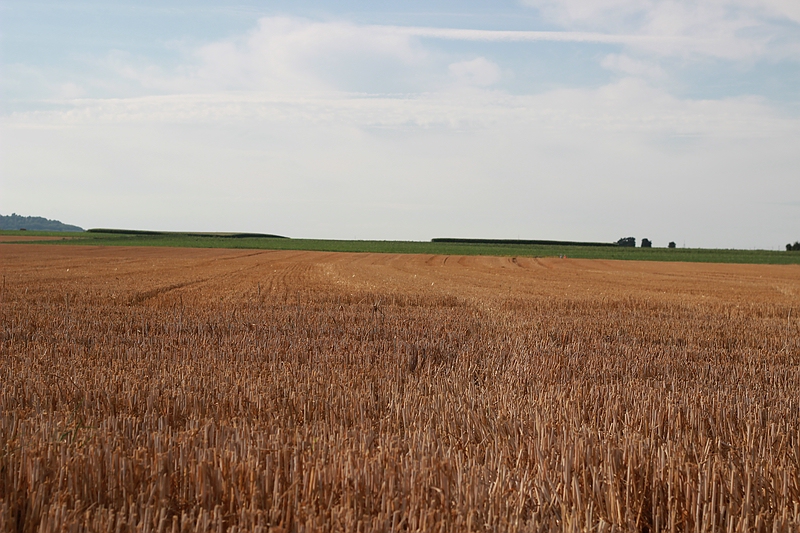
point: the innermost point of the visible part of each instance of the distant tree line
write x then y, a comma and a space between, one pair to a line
18, 222
630, 242
793, 247
520, 242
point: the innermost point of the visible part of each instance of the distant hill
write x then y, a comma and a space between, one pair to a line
15, 221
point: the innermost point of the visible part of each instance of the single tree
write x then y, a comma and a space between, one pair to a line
647, 243
671, 244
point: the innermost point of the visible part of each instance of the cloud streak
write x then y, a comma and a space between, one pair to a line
726, 46
457, 34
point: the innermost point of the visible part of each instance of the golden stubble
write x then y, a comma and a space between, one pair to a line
148, 389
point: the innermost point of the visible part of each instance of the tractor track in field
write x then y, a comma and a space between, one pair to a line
141, 297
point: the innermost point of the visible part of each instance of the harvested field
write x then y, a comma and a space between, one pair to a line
155, 389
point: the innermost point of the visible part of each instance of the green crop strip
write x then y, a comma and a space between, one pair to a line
242, 241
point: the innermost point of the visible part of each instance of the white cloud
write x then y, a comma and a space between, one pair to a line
608, 13
479, 71
285, 55
632, 67
789, 9
629, 106
731, 29
28, 83
590, 12
71, 91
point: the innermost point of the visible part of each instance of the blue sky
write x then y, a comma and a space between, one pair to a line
579, 119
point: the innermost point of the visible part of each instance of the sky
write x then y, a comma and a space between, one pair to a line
674, 120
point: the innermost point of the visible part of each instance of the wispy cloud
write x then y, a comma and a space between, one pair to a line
789, 204
731, 29
479, 71
626, 106
283, 55
723, 44
516, 36
633, 67
674, 14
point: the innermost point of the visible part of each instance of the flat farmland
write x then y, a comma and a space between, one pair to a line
179, 390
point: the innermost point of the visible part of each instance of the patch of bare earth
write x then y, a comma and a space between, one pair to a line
154, 389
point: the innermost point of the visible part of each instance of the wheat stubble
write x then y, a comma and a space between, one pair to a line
220, 390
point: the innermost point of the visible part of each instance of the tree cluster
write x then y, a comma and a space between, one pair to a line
630, 242
793, 247
19, 222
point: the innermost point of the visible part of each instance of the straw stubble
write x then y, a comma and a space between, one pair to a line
217, 391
